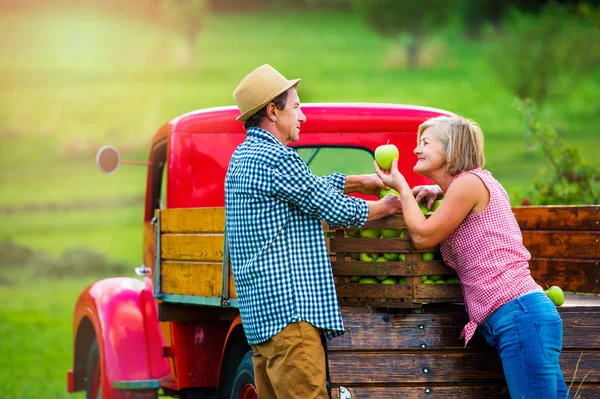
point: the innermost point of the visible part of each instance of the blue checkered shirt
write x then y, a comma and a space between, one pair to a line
274, 207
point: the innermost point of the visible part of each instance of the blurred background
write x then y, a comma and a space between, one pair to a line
79, 74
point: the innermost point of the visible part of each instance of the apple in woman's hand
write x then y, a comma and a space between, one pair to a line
385, 154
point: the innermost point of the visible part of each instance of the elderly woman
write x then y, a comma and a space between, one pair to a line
480, 239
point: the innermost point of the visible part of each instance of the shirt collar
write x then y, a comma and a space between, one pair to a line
262, 134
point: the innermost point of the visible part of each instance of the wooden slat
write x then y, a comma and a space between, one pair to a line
396, 367
441, 330
486, 391
558, 217
574, 275
563, 244
199, 247
191, 278
192, 220
430, 293
397, 268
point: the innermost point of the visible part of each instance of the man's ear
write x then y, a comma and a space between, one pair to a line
271, 114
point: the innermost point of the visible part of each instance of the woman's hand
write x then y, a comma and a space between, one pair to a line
430, 193
392, 177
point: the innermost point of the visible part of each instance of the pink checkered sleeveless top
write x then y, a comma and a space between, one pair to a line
487, 252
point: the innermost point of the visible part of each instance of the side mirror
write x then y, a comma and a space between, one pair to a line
108, 159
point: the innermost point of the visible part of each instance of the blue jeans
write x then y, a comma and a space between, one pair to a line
527, 332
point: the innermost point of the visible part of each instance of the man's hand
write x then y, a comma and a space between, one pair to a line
430, 193
364, 184
388, 205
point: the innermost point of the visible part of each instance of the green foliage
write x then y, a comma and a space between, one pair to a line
540, 56
569, 178
188, 18
410, 18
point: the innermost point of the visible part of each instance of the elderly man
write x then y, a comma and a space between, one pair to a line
274, 207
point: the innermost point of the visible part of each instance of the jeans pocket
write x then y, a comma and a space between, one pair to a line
550, 334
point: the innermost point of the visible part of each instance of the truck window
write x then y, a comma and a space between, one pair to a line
326, 160
158, 179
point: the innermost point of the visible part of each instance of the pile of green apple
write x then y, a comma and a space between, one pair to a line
378, 280
439, 279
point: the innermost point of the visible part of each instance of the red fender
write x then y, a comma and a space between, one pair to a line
123, 314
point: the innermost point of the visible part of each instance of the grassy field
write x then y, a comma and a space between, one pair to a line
35, 326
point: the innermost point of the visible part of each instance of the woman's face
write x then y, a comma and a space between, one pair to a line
431, 153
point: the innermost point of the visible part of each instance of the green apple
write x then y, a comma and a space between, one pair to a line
353, 233
391, 256
453, 280
429, 281
355, 279
385, 154
556, 294
368, 280
390, 280
423, 208
381, 278
440, 282
391, 233
365, 257
436, 205
387, 191
427, 256
423, 278
435, 277
402, 280
402, 257
380, 259
370, 233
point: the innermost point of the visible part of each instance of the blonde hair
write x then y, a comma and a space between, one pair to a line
463, 140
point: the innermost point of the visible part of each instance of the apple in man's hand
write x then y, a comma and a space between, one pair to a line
556, 294
385, 154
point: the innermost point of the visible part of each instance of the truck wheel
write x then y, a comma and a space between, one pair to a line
243, 382
93, 386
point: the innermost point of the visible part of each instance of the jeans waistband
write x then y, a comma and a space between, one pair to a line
522, 303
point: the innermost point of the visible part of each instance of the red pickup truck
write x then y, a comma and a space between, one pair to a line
176, 330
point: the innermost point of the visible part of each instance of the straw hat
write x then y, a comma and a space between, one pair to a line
259, 88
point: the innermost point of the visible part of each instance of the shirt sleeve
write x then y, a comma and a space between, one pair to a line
322, 198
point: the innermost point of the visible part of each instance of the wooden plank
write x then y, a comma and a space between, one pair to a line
486, 391
192, 220
429, 293
402, 367
199, 247
562, 244
379, 245
558, 217
574, 275
191, 278
441, 330
396, 268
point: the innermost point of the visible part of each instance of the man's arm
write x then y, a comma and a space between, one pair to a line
364, 184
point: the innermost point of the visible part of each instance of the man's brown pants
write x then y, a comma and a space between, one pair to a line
291, 364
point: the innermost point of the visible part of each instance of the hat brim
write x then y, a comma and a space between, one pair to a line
246, 115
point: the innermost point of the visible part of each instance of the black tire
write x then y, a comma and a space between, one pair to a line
93, 374
243, 377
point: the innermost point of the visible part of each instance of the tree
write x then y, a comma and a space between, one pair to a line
538, 55
187, 17
391, 18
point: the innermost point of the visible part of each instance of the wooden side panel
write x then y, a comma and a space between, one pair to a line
197, 247
193, 220
563, 244
558, 217
574, 275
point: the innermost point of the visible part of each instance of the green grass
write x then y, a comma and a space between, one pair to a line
71, 82
36, 346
